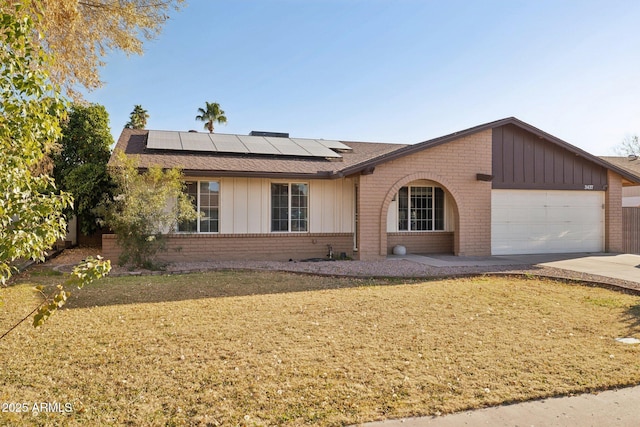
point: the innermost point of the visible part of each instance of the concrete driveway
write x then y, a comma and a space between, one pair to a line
618, 266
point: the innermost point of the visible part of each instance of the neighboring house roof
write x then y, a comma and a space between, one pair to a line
363, 158
630, 163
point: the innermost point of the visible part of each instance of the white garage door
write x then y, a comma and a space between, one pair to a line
538, 221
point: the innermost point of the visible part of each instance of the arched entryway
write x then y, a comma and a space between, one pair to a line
426, 209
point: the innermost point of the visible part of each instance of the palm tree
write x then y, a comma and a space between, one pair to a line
138, 118
210, 115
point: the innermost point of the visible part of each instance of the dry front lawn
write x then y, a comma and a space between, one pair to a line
261, 348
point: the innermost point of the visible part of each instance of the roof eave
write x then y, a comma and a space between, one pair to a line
206, 173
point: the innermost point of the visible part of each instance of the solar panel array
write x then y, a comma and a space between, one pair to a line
244, 144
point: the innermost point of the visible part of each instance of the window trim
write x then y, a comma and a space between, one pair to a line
433, 209
197, 207
289, 216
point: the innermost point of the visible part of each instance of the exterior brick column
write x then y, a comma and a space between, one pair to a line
613, 213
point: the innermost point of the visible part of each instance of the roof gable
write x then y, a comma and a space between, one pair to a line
410, 149
523, 160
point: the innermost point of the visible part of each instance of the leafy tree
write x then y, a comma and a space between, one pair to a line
629, 145
76, 35
212, 113
146, 206
30, 207
81, 33
30, 220
138, 118
81, 164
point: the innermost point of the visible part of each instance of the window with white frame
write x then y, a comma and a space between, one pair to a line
205, 196
289, 207
420, 208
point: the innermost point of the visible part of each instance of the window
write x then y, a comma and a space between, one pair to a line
205, 196
420, 209
289, 207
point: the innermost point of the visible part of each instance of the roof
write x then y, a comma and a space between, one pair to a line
631, 176
133, 142
630, 164
363, 157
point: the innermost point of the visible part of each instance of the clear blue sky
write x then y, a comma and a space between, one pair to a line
390, 71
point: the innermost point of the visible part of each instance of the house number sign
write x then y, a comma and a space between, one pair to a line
588, 186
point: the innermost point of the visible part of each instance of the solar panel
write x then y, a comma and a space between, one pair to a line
164, 140
315, 148
336, 145
228, 143
192, 141
243, 144
287, 147
258, 145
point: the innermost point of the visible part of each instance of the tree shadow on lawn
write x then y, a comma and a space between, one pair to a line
633, 317
212, 284
239, 282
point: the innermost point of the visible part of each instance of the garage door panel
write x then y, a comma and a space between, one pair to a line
536, 221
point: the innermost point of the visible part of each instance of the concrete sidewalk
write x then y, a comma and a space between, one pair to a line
614, 408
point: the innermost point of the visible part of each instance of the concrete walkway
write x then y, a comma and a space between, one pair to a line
619, 266
614, 408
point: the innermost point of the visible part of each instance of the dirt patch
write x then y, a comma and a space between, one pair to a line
74, 256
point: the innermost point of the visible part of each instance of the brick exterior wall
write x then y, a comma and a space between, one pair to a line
454, 166
437, 242
256, 247
613, 241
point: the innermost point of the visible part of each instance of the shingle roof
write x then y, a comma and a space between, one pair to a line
133, 142
628, 164
364, 156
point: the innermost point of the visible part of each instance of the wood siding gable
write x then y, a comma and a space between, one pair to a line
523, 160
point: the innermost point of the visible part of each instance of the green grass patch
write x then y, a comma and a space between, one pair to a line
265, 348
610, 301
45, 272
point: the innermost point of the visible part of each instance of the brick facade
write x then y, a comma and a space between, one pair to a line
231, 247
454, 166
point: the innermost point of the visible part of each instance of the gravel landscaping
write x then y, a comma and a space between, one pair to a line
386, 268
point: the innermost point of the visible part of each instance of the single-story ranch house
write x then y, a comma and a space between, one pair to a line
503, 187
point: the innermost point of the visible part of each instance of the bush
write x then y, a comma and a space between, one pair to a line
146, 207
